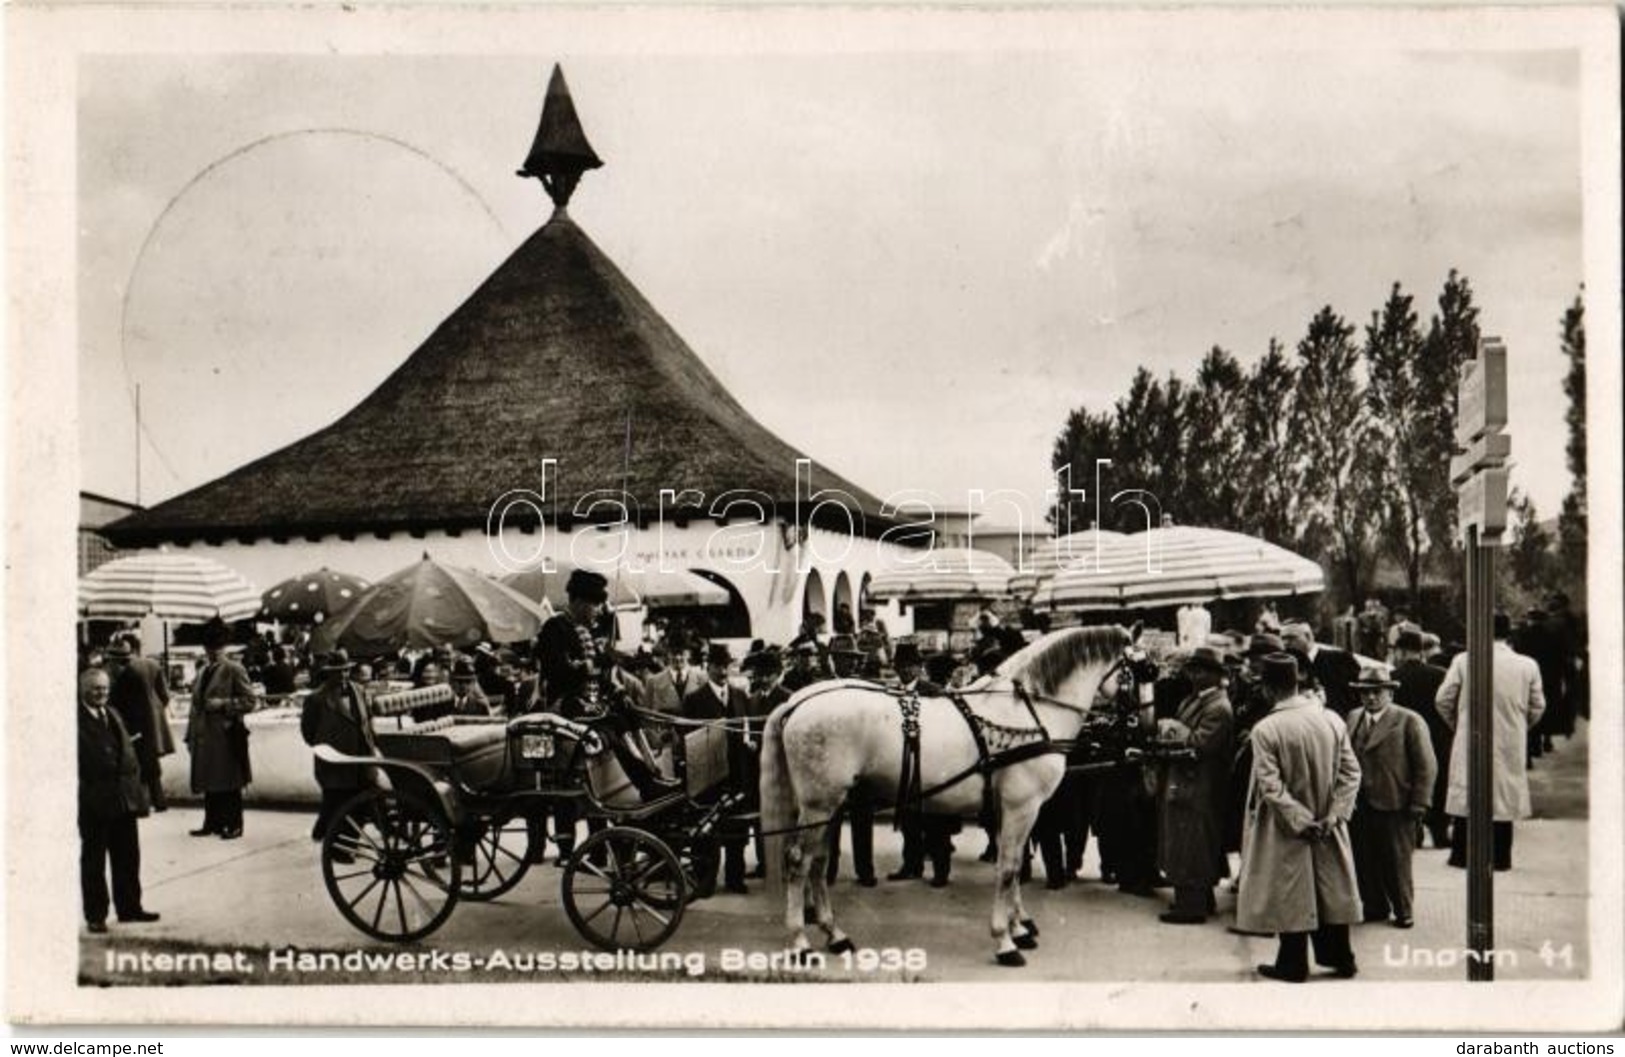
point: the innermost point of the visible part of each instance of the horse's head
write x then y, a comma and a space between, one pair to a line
1078, 666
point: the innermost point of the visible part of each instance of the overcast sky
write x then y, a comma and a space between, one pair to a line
910, 266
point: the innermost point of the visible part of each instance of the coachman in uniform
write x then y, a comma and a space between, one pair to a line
217, 735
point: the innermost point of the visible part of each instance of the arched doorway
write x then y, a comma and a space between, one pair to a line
843, 617
731, 621
812, 597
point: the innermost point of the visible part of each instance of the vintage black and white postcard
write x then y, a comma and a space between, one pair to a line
917, 518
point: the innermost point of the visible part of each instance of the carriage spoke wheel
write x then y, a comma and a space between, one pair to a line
389, 867
634, 899
501, 856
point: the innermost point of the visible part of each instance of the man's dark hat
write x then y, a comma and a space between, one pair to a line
587, 586
718, 653
463, 669
844, 645
216, 634
906, 653
1206, 657
940, 666
1373, 677
767, 659
1280, 671
1409, 640
1264, 644
337, 661
118, 649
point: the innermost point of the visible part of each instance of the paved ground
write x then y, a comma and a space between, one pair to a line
247, 899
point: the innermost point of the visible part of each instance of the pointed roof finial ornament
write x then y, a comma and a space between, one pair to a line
561, 152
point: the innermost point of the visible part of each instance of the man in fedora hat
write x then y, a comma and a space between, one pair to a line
141, 699
845, 657
1191, 793
467, 696
1419, 683
1396, 787
720, 699
217, 736
1297, 869
336, 714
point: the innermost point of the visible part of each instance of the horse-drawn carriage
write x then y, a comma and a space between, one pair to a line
457, 808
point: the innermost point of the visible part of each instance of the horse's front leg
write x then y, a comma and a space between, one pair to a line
1009, 933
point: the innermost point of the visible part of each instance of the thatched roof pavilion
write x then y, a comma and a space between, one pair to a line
549, 358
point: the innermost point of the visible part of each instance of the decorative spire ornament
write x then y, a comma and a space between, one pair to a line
560, 153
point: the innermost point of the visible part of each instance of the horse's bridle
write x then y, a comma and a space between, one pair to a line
1135, 661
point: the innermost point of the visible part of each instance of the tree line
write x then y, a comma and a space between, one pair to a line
1338, 449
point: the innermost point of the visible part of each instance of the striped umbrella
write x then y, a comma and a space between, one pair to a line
1179, 565
948, 574
1057, 553
311, 597
178, 588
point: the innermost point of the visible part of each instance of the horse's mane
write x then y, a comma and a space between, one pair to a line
1042, 665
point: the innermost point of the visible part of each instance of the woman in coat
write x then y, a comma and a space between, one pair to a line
217, 737
1297, 863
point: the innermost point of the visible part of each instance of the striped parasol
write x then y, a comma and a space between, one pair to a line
948, 574
1179, 565
1060, 552
179, 588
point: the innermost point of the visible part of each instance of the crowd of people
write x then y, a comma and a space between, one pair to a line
1323, 767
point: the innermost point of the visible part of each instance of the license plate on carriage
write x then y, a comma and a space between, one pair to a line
537, 746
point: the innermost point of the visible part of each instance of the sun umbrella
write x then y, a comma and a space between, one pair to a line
311, 597
944, 575
539, 585
1052, 555
1177, 565
176, 588
430, 604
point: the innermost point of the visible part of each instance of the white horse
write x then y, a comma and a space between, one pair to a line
833, 736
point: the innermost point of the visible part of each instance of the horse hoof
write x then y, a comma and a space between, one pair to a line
1012, 959
1031, 926
843, 945
1026, 943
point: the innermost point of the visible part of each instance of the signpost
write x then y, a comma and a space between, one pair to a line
1479, 473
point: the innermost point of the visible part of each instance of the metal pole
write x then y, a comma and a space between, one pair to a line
1480, 758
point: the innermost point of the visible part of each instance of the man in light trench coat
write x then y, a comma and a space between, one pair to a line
1297, 866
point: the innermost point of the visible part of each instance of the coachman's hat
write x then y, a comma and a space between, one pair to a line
844, 646
906, 653
587, 586
1280, 671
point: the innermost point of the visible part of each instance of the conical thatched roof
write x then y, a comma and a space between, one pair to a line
544, 360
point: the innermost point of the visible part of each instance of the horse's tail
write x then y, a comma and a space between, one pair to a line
779, 813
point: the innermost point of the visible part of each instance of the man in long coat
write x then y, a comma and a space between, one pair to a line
141, 699
1297, 867
1396, 788
1192, 794
720, 699
217, 736
1419, 684
336, 714
1516, 706
111, 798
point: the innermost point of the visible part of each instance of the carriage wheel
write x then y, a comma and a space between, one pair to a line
634, 901
389, 866
501, 856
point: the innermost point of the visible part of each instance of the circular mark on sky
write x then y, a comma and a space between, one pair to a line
283, 283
